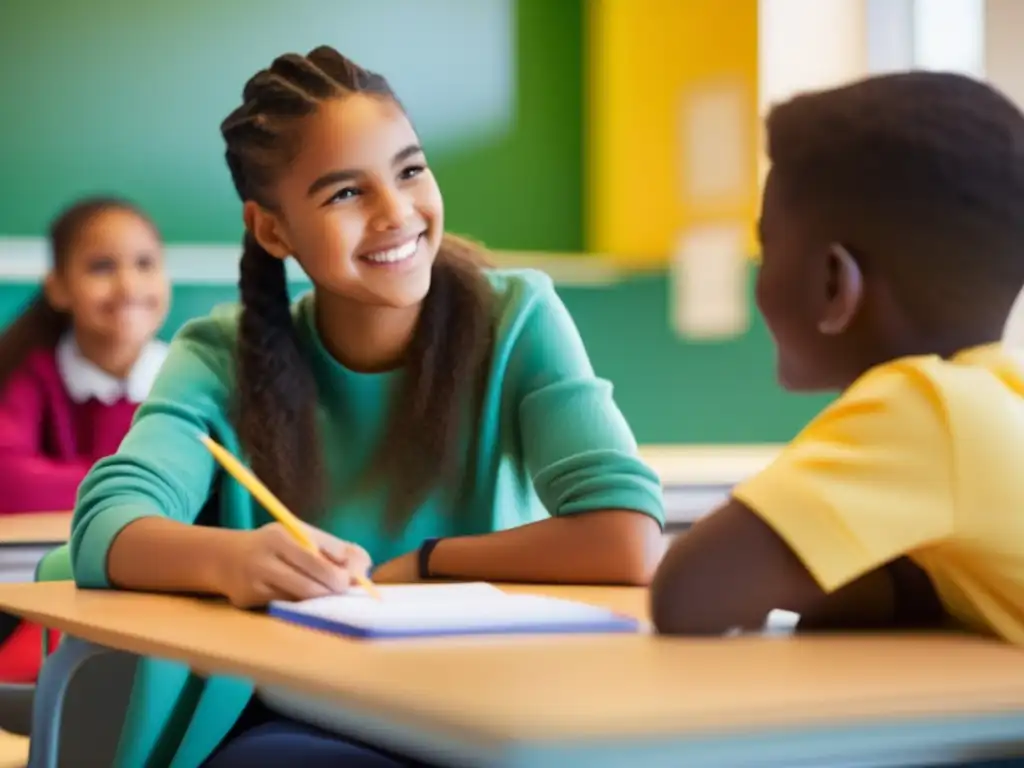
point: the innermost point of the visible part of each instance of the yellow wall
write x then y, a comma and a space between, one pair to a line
647, 60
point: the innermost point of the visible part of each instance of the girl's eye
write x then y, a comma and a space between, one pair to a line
344, 194
412, 171
101, 266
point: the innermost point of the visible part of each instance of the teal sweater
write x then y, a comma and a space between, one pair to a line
550, 440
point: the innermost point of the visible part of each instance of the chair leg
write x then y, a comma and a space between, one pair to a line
55, 677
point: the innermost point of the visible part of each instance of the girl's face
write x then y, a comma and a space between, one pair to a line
358, 207
112, 281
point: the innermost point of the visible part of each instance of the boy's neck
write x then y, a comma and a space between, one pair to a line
113, 358
945, 346
361, 337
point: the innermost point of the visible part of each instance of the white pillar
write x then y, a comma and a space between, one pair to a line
809, 45
949, 35
1004, 68
1004, 54
889, 29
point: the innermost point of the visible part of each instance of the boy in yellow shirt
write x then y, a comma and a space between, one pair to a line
892, 229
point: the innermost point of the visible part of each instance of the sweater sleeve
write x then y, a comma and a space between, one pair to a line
31, 481
578, 447
161, 468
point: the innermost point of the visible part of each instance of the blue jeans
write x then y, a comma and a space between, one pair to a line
264, 739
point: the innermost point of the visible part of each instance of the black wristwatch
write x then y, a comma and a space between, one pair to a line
426, 549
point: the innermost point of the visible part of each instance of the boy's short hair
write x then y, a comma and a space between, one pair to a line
921, 176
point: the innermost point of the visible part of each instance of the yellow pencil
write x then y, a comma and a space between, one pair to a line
272, 504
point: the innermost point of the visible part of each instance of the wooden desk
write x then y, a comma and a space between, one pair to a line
598, 701
48, 528
24, 539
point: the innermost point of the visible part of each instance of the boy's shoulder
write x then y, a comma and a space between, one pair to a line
993, 367
976, 392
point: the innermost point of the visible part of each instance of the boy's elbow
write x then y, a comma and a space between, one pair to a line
672, 613
683, 605
668, 616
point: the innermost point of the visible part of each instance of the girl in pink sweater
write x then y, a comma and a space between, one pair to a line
73, 368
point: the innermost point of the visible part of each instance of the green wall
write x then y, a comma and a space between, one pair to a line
127, 96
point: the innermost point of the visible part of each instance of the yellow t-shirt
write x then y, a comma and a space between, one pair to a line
921, 457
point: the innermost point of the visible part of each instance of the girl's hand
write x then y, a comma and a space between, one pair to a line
269, 564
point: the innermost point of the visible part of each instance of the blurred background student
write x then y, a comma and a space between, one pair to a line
73, 368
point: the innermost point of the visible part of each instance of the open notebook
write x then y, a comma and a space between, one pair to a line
436, 610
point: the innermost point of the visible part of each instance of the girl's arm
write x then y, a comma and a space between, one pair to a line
161, 555
600, 547
133, 524
605, 503
29, 480
135, 521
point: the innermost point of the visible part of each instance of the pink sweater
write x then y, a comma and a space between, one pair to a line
48, 441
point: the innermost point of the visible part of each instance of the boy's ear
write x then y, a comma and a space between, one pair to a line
845, 291
56, 292
267, 228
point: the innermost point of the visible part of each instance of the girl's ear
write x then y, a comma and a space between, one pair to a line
56, 292
268, 230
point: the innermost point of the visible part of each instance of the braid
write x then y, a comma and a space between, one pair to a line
446, 366
277, 399
276, 416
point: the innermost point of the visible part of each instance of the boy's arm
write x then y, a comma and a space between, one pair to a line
827, 529
731, 569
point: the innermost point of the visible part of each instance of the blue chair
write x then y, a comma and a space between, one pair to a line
77, 723
16, 698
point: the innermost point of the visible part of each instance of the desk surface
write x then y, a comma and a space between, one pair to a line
13, 750
562, 688
707, 464
35, 528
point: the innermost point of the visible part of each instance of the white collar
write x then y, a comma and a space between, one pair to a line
84, 380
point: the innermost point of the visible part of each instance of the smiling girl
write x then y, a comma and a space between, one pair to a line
440, 416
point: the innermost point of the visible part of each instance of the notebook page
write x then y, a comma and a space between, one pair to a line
427, 608
471, 613
432, 592
405, 594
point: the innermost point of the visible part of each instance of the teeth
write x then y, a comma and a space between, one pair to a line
401, 253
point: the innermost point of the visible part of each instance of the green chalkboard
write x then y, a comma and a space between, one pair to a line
126, 96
